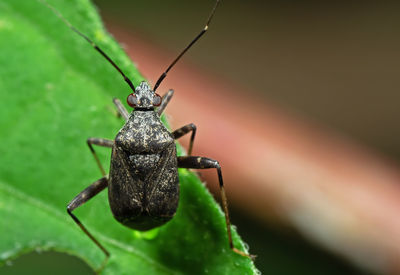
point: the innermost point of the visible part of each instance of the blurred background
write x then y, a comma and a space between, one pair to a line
335, 62
298, 100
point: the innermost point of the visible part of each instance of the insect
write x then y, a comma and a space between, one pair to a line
143, 187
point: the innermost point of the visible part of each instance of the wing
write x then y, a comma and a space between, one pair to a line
163, 185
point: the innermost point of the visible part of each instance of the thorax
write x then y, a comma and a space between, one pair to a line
143, 133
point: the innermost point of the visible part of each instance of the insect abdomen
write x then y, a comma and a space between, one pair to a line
144, 188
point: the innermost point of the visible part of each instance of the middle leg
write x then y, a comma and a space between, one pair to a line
100, 142
183, 131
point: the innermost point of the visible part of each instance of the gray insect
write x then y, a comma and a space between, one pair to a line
143, 185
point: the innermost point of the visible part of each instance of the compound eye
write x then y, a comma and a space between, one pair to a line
156, 100
132, 100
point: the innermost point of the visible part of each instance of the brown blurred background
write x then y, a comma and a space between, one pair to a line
335, 62
329, 63
327, 69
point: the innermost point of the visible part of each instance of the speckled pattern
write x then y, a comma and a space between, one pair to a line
143, 188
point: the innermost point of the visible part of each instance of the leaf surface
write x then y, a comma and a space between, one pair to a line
56, 91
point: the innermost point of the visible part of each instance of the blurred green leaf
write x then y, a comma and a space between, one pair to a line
55, 91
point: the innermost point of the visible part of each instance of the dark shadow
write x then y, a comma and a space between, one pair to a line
285, 253
46, 263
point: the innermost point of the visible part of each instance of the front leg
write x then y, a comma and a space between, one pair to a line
121, 108
164, 102
206, 163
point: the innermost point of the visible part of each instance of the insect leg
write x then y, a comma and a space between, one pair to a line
100, 142
91, 191
183, 131
206, 163
164, 102
121, 108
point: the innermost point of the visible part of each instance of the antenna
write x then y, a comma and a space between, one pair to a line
187, 47
56, 12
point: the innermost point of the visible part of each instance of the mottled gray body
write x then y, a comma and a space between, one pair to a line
143, 184
143, 187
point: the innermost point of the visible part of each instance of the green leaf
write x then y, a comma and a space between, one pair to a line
55, 91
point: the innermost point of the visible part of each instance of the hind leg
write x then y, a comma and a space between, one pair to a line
88, 193
206, 163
